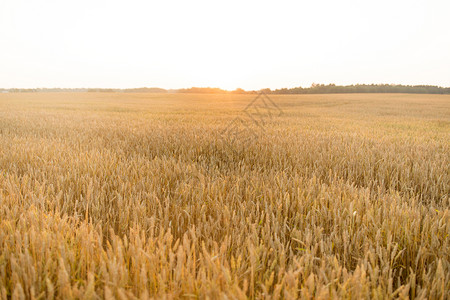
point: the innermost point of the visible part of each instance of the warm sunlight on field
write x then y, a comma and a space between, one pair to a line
141, 195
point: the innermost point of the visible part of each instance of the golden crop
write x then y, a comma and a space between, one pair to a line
114, 195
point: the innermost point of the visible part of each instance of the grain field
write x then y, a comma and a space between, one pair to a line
139, 196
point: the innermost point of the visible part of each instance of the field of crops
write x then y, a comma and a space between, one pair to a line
114, 195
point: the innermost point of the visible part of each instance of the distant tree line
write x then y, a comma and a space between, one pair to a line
205, 90
134, 90
332, 89
314, 89
362, 88
209, 90
84, 90
42, 90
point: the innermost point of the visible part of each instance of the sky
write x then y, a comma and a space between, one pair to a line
226, 44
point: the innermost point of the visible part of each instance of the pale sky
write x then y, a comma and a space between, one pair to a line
226, 44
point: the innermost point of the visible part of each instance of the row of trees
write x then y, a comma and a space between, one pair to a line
332, 89
84, 90
362, 88
43, 90
314, 89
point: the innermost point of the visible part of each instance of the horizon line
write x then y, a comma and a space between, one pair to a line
314, 85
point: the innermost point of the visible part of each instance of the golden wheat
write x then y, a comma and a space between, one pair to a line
113, 195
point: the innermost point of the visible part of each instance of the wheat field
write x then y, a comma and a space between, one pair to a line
139, 196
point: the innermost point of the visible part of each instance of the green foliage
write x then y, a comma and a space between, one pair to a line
364, 88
